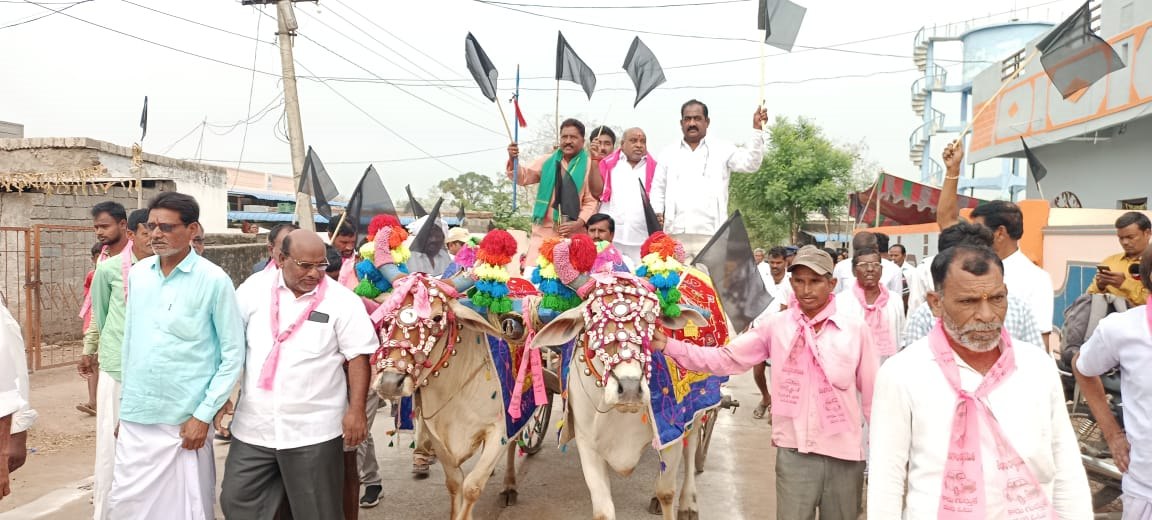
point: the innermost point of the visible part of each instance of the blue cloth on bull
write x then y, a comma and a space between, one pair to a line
403, 414
677, 396
506, 369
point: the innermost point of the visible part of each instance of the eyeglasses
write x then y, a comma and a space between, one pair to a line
164, 228
198, 240
308, 266
869, 266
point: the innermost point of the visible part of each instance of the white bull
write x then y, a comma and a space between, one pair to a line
602, 411
456, 382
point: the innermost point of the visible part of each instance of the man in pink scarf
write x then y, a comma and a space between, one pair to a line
625, 173
823, 368
871, 301
969, 424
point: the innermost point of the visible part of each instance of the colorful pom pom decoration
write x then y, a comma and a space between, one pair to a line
556, 296
492, 258
389, 250
662, 266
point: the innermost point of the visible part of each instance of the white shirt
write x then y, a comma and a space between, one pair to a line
13, 395
778, 291
889, 276
1028, 281
1124, 340
919, 281
626, 207
912, 412
310, 392
893, 312
690, 187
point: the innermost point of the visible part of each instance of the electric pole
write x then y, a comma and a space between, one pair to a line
286, 30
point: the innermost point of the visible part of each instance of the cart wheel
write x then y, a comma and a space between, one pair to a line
537, 428
709, 418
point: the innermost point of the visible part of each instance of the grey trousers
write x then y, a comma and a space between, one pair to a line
256, 480
366, 452
806, 482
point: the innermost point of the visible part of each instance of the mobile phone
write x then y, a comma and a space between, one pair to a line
1103, 269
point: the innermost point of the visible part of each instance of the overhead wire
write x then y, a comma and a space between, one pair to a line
201, 24
650, 6
41, 17
251, 94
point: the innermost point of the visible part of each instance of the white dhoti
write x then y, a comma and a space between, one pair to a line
156, 478
107, 415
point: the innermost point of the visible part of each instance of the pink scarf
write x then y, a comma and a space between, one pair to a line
272, 362
530, 360
874, 317
608, 164
805, 378
270, 265
962, 496
347, 276
86, 307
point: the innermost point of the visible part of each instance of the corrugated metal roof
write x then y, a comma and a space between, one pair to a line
278, 197
257, 216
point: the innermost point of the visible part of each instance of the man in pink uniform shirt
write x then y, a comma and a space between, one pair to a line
823, 368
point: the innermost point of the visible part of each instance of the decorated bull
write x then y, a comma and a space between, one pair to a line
621, 396
448, 353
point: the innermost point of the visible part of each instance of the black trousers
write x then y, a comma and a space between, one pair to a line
257, 480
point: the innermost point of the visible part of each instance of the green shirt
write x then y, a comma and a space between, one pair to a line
105, 335
183, 342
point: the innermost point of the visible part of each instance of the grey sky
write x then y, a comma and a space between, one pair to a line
63, 77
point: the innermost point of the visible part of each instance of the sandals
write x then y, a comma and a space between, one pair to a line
86, 408
761, 409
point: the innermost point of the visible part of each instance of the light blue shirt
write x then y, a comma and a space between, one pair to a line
183, 343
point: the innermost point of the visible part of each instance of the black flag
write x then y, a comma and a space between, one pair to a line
417, 210
566, 196
643, 68
650, 218
1038, 170
780, 20
732, 268
316, 182
1074, 57
460, 215
570, 67
369, 199
430, 238
480, 66
144, 120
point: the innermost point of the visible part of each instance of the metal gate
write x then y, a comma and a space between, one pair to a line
44, 269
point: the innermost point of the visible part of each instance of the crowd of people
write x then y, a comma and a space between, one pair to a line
931, 381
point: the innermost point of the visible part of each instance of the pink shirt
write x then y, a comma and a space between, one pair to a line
844, 348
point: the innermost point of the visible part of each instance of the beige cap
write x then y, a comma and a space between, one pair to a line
457, 234
813, 258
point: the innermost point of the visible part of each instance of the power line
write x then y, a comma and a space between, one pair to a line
206, 26
41, 17
405, 159
653, 6
401, 89
251, 93
158, 44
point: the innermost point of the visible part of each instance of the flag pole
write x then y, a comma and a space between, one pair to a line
762, 70
1041, 190
557, 113
1016, 74
879, 186
516, 140
504, 118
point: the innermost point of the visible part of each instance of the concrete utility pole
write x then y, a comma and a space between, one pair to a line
286, 30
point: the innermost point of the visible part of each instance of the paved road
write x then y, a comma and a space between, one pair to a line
738, 482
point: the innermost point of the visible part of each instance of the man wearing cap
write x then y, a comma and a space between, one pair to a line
823, 369
457, 239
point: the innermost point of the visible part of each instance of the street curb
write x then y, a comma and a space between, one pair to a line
53, 502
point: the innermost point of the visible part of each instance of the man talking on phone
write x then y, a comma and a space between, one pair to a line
1114, 274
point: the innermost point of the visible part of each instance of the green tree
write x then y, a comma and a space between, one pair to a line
803, 172
488, 193
472, 189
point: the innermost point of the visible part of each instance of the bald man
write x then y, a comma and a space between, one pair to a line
289, 437
623, 181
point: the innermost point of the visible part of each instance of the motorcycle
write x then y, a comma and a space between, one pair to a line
1094, 452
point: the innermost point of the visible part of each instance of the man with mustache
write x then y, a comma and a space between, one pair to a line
823, 367
570, 160
110, 222
1124, 340
183, 350
1018, 320
625, 173
601, 142
105, 340
690, 187
967, 423
869, 300
288, 437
